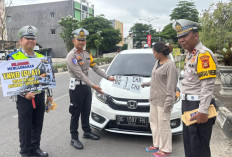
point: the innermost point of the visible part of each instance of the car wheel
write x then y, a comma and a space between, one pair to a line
3, 57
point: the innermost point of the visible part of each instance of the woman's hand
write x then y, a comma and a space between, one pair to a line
111, 78
144, 85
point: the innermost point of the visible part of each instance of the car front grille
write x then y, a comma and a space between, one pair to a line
115, 104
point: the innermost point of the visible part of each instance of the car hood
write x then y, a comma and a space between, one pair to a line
108, 88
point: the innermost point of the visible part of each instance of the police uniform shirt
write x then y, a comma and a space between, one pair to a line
200, 73
78, 66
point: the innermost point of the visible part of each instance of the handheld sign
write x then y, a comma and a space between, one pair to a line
27, 75
129, 83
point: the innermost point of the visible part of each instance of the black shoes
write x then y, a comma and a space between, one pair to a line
39, 153
76, 144
91, 136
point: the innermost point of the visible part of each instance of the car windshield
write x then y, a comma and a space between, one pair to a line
132, 65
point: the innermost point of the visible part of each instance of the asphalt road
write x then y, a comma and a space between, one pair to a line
56, 137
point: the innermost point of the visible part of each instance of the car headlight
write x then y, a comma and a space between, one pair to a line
177, 98
101, 97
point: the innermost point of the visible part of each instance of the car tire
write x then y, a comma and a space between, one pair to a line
3, 57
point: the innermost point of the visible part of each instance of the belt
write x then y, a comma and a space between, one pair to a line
190, 97
80, 83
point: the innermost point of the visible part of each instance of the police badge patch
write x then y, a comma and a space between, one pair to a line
206, 67
74, 60
30, 30
205, 61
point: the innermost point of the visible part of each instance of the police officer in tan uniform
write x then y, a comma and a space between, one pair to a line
197, 88
79, 61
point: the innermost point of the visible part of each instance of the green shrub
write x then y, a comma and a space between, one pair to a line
101, 60
64, 65
97, 60
56, 66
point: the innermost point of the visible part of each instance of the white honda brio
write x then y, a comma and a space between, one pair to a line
122, 111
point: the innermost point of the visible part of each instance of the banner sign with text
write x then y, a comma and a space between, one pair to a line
26, 75
149, 40
129, 83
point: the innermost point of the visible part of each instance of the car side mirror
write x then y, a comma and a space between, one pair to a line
181, 76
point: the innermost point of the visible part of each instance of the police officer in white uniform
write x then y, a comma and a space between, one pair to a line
197, 88
79, 61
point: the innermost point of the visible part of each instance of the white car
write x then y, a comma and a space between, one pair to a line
121, 111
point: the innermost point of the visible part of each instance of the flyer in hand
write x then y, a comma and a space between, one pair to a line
188, 114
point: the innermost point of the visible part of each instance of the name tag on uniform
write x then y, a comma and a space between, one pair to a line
72, 83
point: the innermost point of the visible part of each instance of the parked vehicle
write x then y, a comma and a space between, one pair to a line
2, 54
112, 111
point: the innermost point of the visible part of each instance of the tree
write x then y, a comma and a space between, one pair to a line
216, 30
124, 47
3, 22
101, 33
140, 32
69, 24
169, 33
185, 10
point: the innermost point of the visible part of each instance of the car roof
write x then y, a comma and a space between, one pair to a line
137, 51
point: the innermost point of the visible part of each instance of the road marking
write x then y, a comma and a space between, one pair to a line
61, 73
15, 116
61, 97
56, 99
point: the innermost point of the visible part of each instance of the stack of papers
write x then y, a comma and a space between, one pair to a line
50, 106
188, 114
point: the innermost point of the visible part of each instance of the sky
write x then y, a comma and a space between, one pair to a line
154, 12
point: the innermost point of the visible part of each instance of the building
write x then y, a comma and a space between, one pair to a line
45, 16
129, 41
118, 25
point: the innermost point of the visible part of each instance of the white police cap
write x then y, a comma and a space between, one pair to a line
28, 32
183, 26
80, 34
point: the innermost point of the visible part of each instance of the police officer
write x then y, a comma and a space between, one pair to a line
197, 88
79, 61
30, 120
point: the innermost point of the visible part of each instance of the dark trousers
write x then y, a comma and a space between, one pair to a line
80, 99
30, 122
196, 136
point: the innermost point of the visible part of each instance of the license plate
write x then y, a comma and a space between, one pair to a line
132, 121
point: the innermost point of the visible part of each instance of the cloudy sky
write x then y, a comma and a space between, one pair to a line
131, 11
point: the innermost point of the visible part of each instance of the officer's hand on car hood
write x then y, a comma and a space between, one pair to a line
98, 89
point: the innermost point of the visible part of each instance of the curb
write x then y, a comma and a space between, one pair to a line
224, 118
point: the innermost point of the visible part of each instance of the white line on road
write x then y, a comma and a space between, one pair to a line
56, 99
61, 97
15, 116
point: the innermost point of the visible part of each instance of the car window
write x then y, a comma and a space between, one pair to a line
132, 65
